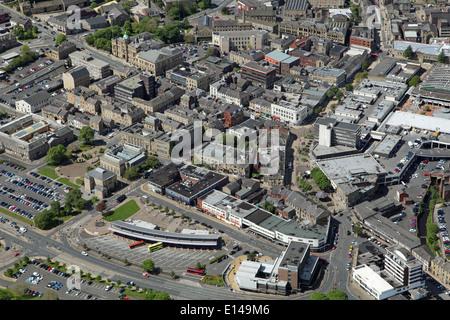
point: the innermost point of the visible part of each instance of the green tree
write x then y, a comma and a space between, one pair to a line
158, 295
152, 162
414, 81
318, 296
73, 196
339, 95
6, 294
57, 155
442, 58
349, 87
148, 265
60, 38
131, 174
44, 219
364, 66
337, 295
127, 28
320, 179
408, 53
86, 134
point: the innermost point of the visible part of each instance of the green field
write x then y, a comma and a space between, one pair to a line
48, 172
16, 216
124, 211
67, 182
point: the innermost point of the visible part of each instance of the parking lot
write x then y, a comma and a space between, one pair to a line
40, 277
193, 52
27, 194
28, 80
167, 258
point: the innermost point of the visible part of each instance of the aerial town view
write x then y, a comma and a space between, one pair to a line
224, 150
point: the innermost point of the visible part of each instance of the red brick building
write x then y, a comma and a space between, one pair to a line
362, 37
232, 116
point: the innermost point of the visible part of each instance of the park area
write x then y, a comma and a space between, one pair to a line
123, 212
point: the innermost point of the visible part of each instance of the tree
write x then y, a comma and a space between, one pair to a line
101, 206
127, 28
86, 134
337, 295
73, 197
408, 53
131, 174
318, 296
414, 81
349, 87
152, 295
320, 179
56, 155
442, 58
152, 162
339, 95
148, 265
212, 51
44, 220
19, 32
364, 65
60, 38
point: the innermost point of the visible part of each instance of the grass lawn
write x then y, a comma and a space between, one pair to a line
48, 172
124, 211
16, 216
67, 182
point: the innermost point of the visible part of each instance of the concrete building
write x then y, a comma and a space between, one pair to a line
139, 86
331, 132
120, 158
195, 182
78, 76
330, 75
264, 76
289, 112
98, 69
31, 136
229, 41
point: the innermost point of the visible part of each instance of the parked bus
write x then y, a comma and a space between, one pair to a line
155, 246
199, 272
136, 244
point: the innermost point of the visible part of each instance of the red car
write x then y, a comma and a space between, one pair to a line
426, 174
145, 274
16, 254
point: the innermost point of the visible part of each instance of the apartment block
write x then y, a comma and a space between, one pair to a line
229, 41
331, 132
289, 112
265, 76
98, 69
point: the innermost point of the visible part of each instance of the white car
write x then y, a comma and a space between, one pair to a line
84, 253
